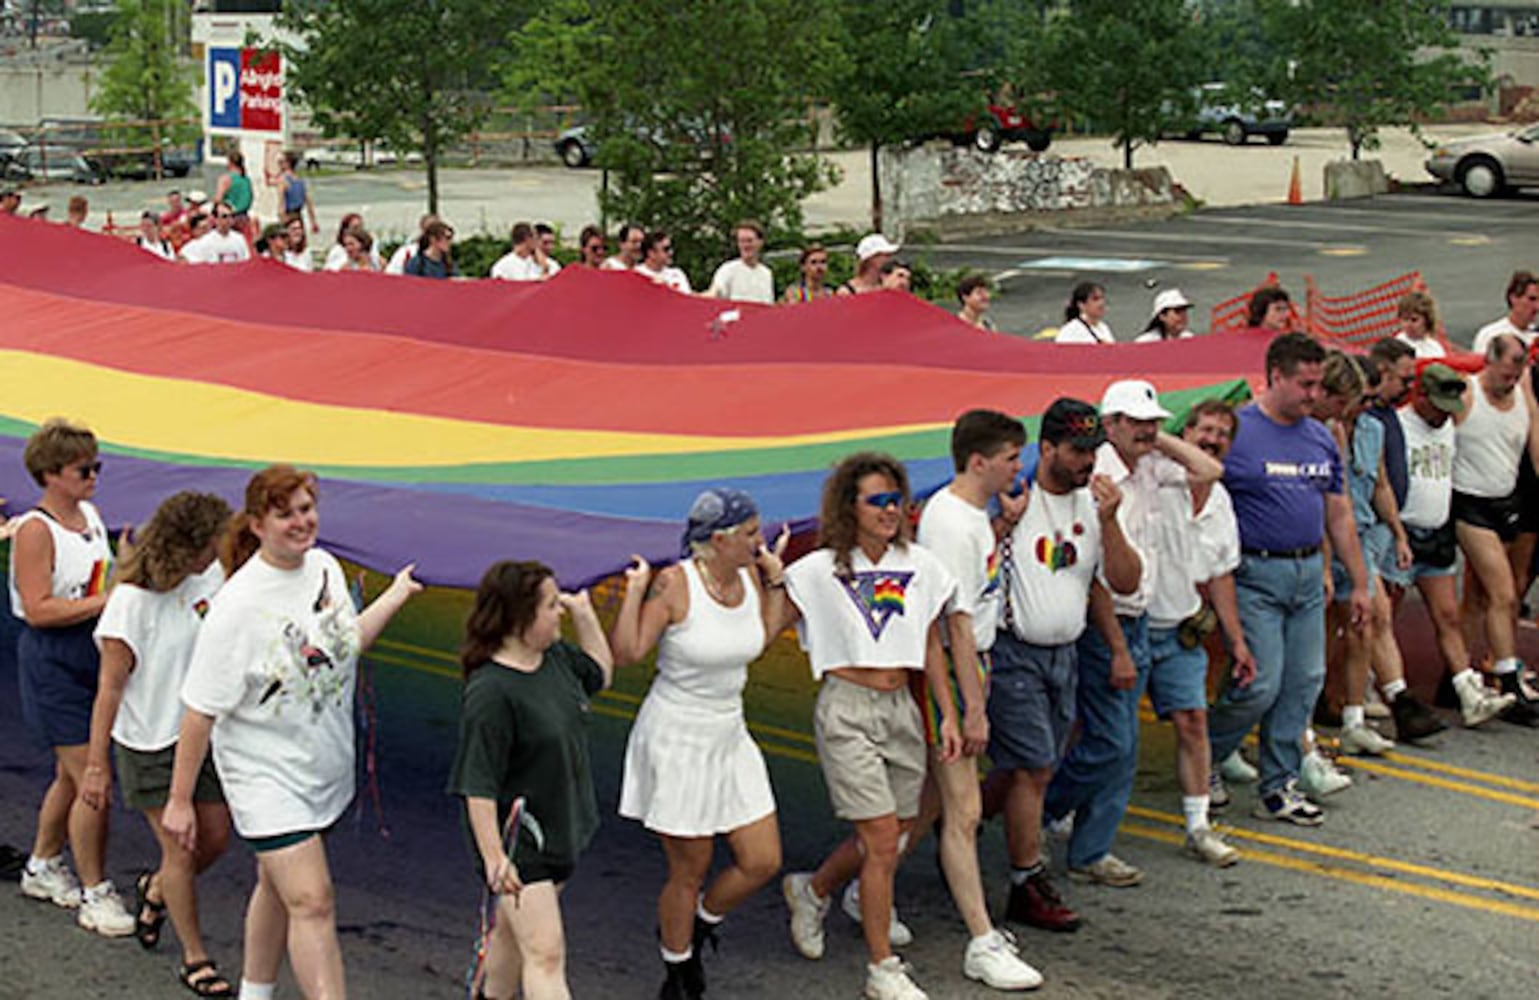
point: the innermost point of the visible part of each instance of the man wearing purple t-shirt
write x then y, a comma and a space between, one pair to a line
1284, 475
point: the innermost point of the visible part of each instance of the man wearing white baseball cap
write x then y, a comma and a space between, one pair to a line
1153, 470
1172, 312
872, 254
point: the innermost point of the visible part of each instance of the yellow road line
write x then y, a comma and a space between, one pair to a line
1500, 780
1374, 767
1358, 878
1356, 857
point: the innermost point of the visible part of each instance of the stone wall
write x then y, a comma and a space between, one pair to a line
939, 185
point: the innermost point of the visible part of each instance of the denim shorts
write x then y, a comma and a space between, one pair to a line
1392, 573
1375, 541
1178, 677
1031, 703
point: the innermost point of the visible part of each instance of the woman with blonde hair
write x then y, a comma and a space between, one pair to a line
1417, 313
146, 634
60, 560
271, 686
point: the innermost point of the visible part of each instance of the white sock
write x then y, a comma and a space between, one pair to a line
707, 915
1196, 809
35, 864
1352, 716
675, 957
257, 991
1466, 676
1506, 665
1393, 688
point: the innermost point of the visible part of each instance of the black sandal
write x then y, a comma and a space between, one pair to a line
212, 985
147, 931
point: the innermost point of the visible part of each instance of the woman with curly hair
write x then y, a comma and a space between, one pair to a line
868, 601
524, 736
60, 560
146, 635
271, 685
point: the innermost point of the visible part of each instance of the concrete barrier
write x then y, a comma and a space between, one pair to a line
957, 189
1354, 179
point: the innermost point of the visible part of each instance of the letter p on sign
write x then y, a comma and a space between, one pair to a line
224, 88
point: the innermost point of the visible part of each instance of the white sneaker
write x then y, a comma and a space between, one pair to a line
102, 911
1206, 845
1238, 770
888, 980
992, 961
1218, 792
52, 881
898, 934
1362, 741
807, 913
1478, 703
1373, 705
1318, 777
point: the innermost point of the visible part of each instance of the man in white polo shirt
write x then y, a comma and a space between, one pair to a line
745, 278
1522, 312
1095, 782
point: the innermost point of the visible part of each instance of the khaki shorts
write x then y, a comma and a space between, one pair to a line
871, 747
144, 777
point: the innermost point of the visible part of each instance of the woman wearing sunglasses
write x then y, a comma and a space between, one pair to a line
59, 562
867, 602
692, 772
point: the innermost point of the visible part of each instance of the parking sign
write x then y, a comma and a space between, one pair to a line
224, 88
245, 90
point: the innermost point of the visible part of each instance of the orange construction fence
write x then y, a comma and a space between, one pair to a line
1352, 321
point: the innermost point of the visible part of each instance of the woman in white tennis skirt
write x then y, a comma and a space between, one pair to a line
692, 772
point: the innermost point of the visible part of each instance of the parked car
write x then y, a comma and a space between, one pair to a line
1005, 123
50, 163
577, 146
1219, 110
1487, 165
126, 151
355, 157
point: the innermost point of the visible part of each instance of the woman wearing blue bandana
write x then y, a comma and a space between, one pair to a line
692, 772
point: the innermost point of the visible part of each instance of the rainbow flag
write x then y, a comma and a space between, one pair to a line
456, 423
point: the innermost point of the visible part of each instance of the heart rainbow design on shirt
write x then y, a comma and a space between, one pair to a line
1056, 553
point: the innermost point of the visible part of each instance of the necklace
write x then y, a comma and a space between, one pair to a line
718, 592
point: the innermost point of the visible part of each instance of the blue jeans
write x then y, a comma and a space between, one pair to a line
1096, 779
1282, 609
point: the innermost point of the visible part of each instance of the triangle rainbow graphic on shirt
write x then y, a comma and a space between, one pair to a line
878, 596
991, 572
98, 582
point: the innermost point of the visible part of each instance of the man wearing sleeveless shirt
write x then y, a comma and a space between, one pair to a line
1498, 424
1284, 474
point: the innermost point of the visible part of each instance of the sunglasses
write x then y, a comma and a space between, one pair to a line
87, 470
881, 501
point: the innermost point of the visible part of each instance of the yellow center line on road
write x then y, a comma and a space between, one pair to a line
1360, 878
1356, 857
1374, 767
1500, 780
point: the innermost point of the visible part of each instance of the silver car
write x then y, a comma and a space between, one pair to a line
1487, 165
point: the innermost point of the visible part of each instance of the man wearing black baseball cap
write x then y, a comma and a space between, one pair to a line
1060, 534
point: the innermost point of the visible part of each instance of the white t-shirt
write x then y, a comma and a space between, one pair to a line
1154, 337
1218, 534
159, 248
275, 666
212, 248
1426, 347
1055, 552
962, 537
1077, 331
511, 267
1504, 325
1142, 515
880, 617
614, 264
1429, 469
738, 281
299, 260
403, 253
1173, 595
669, 277
336, 258
160, 629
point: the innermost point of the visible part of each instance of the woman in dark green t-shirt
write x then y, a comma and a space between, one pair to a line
523, 734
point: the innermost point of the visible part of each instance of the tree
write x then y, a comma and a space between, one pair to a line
1368, 63
695, 108
409, 73
911, 70
1130, 68
146, 78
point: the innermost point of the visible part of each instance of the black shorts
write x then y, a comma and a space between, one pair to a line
1498, 514
1528, 497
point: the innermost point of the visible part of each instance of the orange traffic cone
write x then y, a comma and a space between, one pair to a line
1295, 188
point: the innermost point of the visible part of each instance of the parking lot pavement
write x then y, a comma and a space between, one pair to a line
1464, 249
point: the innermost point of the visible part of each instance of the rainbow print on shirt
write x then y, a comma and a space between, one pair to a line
878, 595
991, 572
98, 582
1055, 553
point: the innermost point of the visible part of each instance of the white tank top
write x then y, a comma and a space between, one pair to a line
703, 660
81, 559
1488, 446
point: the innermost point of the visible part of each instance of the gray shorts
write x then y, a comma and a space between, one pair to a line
144, 777
1031, 703
871, 747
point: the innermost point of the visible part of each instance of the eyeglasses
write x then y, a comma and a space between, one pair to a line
223, 215
88, 470
596, 248
881, 501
